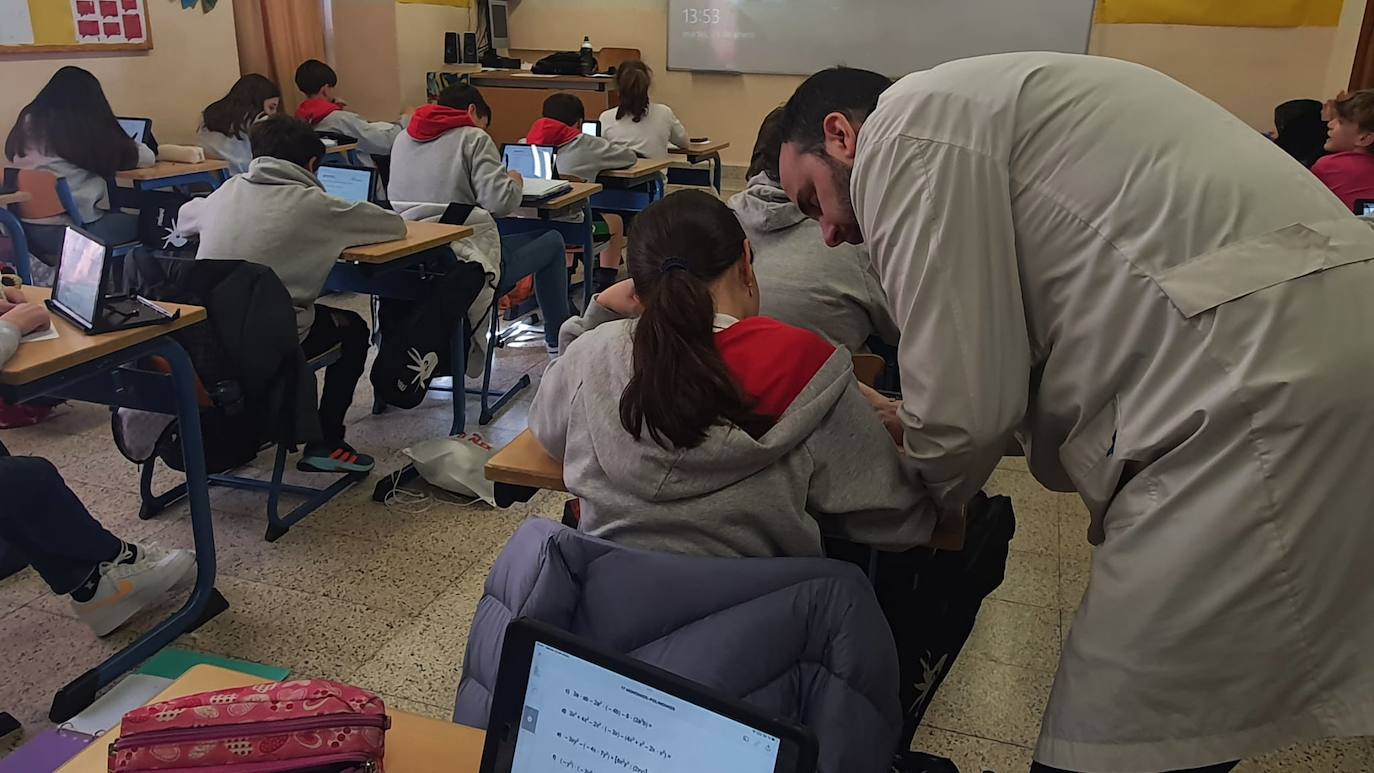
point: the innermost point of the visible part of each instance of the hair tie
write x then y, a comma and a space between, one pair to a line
673, 264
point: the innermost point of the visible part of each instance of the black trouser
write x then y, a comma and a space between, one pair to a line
345, 329
1218, 768
46, 524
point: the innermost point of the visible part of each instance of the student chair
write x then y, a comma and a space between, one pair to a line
277, 524
50, 196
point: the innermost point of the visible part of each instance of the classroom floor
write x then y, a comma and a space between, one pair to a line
382, 597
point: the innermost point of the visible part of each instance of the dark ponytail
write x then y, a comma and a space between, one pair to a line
632, 81
681, 387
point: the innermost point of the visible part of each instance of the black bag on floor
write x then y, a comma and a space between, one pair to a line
417, 337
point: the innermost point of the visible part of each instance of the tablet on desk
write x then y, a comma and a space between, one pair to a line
591, 128
350, 183
562, 704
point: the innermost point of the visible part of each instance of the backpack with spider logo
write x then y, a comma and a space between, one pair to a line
418, 337
157, 225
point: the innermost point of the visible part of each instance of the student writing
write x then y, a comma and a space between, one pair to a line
647, 126
277, 214
323, 110
225, 122
446, 156
70, 130
584, 157
832, 292
687, 423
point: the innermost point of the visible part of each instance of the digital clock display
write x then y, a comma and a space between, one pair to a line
701, 15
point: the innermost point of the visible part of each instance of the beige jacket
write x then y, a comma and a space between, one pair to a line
1177, 319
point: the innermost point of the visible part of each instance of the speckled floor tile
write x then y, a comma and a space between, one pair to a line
991, 700
973, 754
1017, 463
39, 654
20, 589
1065, 625
1016, 634
1335, 755
1031, 578
1073, 583
422, 662
1037, 511
397, 703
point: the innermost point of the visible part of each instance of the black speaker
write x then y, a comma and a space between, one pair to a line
470, 47
450, 48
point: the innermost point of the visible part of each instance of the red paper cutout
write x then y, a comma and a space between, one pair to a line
133, 26
109, 8
112, 29
85, 7
88, 28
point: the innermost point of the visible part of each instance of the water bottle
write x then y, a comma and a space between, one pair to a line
588, 58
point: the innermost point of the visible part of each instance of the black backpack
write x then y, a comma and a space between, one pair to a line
417, 336
563, 63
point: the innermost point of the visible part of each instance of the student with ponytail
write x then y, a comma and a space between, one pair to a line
687, 423
225, 122
646, 126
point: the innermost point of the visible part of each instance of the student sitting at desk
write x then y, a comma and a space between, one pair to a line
687, 423
108, 580
1349, 170
225, 123
278, 215
832, 292
648, 127
70, 130
446, 156
324, 111
584, 157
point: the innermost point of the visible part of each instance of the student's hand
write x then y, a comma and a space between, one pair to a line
28, 317
516, 176
886, 408
11, 297
621, 299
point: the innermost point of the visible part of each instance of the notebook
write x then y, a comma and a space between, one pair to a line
538, 165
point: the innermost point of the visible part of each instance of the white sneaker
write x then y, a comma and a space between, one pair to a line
124, 589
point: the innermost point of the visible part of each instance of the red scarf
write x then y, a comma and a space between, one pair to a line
314, 110
430, 121
550, 131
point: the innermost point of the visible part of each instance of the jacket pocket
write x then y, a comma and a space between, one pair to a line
1239, 269
1089, 458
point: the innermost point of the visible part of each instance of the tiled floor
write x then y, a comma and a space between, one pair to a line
382, 597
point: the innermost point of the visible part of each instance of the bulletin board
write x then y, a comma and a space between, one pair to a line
33, 26
1222, 13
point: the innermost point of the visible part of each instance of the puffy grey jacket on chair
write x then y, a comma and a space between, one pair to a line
800, 638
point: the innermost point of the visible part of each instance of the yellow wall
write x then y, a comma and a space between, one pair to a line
420, 42
193, 62
1246, 70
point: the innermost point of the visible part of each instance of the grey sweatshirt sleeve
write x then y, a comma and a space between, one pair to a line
496, 192
363, 222
677, 134
374, 137
612, 154
9, 341
863, 487
552, 406
191, 214
575, 326
146, 156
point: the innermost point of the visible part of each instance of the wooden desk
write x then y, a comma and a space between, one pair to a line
15, 197
517, 98
414, 744
72, 347
696, 153
420, 236
701, 150
169, 174
580, 192
524, 462
643, 168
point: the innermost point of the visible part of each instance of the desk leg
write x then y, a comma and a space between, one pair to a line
716, 174
589, 258
205, 602
19, 241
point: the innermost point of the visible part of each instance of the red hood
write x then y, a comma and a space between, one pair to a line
771, 362
431, 121
549, 131
314, 110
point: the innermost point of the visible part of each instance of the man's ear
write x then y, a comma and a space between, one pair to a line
841, 137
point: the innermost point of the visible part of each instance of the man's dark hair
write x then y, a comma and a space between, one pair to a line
837, 90
460, 95
314, 75
287, 138
566, 108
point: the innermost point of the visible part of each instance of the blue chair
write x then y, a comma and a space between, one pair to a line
50, 196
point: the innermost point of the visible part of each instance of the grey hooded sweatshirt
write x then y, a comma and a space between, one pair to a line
461, 166
586, 157
832, 292
827, 465
278, 215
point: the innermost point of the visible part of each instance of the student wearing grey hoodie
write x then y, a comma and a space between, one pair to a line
832, 292
687, 423
278, 215
446, 156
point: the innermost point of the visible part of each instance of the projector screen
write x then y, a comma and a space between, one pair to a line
893, 37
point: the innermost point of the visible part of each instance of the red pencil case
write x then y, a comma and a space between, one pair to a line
281, 727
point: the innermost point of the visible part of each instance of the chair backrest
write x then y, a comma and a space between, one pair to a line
50, 195
868, 368
609, 57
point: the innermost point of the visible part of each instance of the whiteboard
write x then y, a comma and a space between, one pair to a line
893, 37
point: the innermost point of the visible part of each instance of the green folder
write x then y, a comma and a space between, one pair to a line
172, 662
